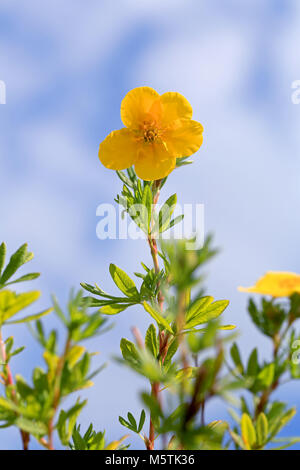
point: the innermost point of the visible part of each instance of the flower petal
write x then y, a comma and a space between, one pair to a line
174, 106
184, 138
119, 150
154, 162
138, 105
276, 284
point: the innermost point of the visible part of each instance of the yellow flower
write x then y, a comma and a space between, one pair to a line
158, 130
276, 284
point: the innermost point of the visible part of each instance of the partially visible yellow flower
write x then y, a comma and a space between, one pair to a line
276, 284
158, 130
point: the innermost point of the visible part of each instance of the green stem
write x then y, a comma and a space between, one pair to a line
163, 338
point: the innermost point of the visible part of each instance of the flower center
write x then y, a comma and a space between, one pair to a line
150, 131
150, 135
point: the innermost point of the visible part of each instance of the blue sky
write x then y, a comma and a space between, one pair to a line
67, 66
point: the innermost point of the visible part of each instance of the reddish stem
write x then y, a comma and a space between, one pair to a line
9, 381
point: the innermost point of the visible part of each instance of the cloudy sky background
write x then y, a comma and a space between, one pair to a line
67, 66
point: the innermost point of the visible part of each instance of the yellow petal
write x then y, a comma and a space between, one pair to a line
119, 150
115, 444
184, 138
154, 162
276, 284
174, 106
139, 104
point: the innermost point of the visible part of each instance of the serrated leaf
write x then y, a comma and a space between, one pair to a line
123, 281
162, 322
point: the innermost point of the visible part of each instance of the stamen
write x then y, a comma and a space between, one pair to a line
150, 135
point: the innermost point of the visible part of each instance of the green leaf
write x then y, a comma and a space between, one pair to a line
67, 421
20, 257
151, 341
262, 429
181, 161
75, 354
266, 375
2, 256
289, 441
252, 366
8, 405
124, 178
126, 424
152, 403
236, 357
237, 439
210, 313
123, 281
172, 349
59, 311
131, 420
31, 317
11, 303
147, 202
176, 220
36, 428
113, 309
17, 351
281, 421
248, 431
227, 327
129, 351
166, 212
142, 421
162, 322
27, 277
198, 306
